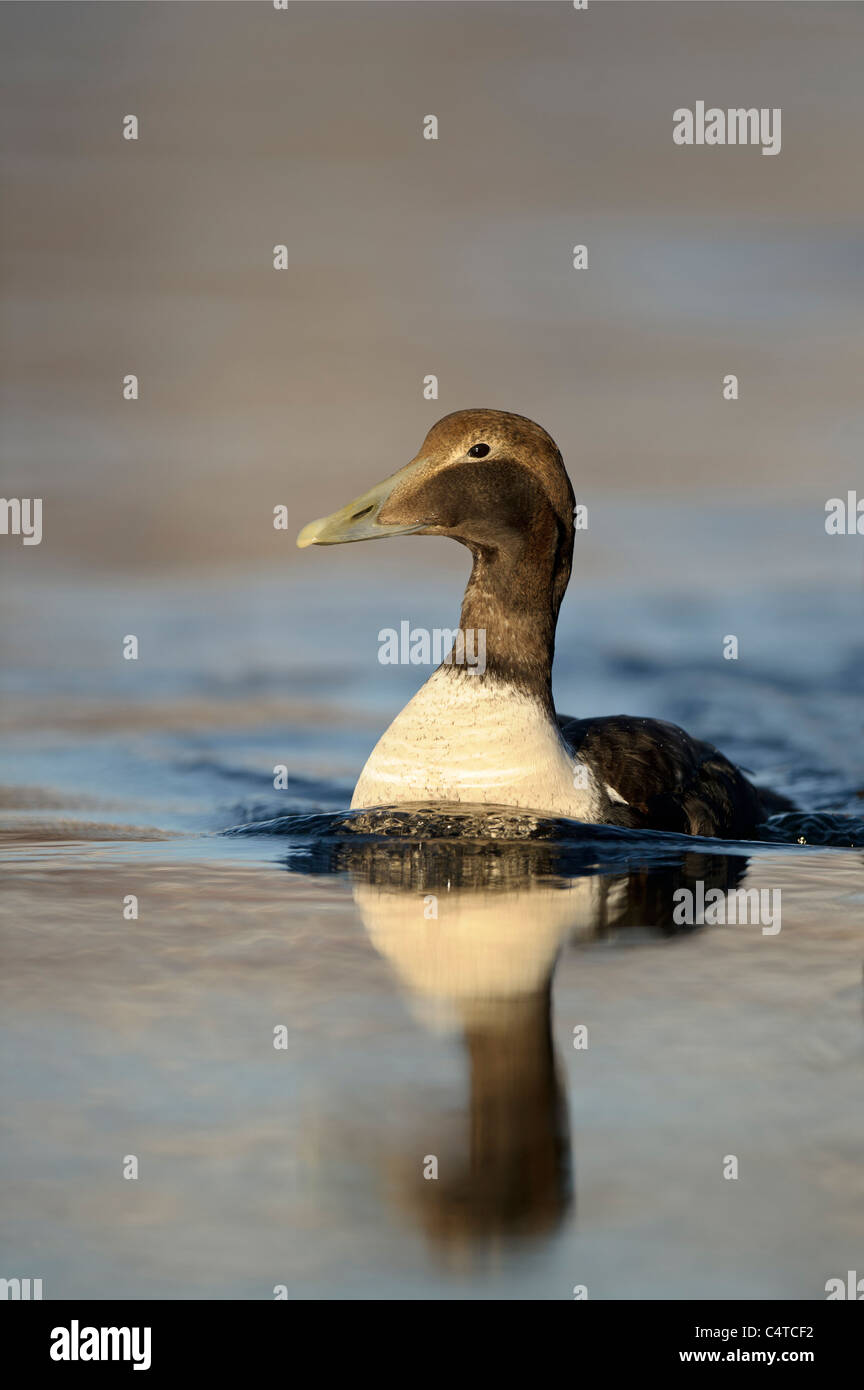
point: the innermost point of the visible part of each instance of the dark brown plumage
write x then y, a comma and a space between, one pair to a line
669, 780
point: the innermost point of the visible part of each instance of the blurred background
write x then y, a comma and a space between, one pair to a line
409, 257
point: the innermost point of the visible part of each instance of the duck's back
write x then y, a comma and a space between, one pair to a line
668, 780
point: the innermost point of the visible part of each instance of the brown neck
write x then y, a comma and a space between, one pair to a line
520, 1142
513, 595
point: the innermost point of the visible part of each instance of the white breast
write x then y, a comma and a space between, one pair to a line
466, 739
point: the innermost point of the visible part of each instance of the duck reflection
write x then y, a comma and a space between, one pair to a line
473, 931
474, 943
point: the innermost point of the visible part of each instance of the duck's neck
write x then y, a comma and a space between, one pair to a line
512, 598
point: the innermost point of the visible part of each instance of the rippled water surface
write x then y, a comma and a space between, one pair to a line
425, 978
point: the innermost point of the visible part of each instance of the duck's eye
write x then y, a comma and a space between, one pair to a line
478, 451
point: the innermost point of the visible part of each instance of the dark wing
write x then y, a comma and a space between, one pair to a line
669, 780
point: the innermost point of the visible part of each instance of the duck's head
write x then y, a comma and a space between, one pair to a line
497, 483
483, 477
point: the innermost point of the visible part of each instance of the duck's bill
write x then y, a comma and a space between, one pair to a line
359, 520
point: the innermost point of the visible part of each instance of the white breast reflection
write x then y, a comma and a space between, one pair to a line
472, 933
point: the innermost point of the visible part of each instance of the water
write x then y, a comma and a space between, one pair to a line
407, 1036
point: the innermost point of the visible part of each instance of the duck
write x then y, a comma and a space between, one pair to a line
487, 733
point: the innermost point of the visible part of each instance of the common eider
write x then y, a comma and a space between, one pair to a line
487, 732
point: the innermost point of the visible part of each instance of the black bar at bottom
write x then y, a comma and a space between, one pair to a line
218, 1338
